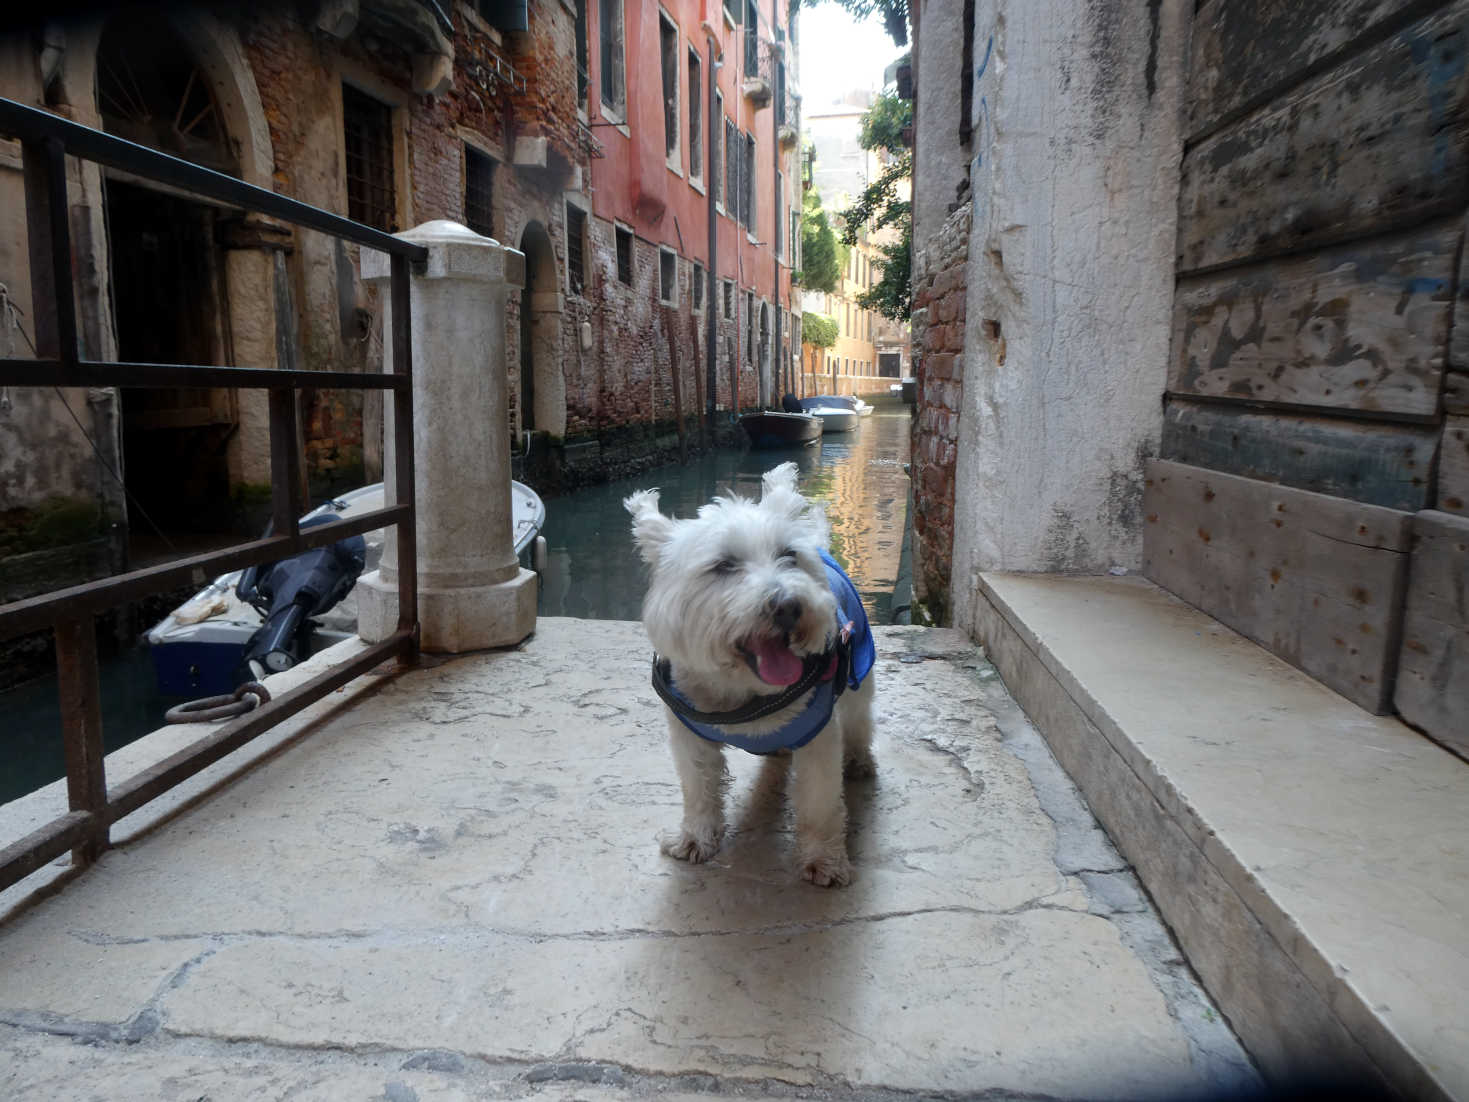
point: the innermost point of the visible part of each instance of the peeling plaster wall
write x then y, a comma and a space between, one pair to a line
1074, 184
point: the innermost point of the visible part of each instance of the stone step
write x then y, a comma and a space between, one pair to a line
1312, 859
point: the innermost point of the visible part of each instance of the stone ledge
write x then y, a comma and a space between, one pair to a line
1312, 859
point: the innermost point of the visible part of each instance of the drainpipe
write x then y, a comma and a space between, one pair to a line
713, 133
775, 199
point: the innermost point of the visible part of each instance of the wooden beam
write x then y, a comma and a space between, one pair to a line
1380, 464
1361, 326
1378, 141
1247, 53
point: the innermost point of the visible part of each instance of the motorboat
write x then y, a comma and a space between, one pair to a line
773, 429
267, 618
837, 414
849, 401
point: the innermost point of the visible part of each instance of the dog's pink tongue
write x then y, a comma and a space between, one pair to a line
777, 663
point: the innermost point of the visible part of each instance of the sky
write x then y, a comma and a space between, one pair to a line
838, 55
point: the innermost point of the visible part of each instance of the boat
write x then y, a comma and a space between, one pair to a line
837, 414
199, 649
848, 401
771, 429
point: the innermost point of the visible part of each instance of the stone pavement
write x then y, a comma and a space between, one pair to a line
451, 888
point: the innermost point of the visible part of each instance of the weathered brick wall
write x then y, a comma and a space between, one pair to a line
938, 357
623, 383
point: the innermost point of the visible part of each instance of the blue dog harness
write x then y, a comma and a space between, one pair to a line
843, 667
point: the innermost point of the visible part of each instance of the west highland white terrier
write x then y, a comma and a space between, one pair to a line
760, 642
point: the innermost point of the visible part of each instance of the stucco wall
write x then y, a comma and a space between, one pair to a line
1074, 186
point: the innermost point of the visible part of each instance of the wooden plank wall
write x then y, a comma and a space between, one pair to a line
1318, 580
1321, 314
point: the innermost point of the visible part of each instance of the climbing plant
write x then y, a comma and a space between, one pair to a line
818, 330
823, 256
883, 204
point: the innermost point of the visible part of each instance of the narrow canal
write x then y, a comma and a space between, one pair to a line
592, 572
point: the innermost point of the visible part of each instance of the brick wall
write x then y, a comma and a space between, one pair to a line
938, 357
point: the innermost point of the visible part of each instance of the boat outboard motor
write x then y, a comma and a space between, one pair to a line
791, 404
289, 592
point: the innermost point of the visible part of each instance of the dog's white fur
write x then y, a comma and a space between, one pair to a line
716, 581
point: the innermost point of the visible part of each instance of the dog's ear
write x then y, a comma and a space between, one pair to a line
779, 478
780, 493
650, 528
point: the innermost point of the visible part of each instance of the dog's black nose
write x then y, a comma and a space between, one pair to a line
787, 613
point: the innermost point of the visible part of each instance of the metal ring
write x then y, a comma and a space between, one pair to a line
246, 698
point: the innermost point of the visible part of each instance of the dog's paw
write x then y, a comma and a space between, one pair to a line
828, 871
859, 767
693, 848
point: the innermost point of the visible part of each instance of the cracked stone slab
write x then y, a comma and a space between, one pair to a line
465, 863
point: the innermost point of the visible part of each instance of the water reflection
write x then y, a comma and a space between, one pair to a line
593, 570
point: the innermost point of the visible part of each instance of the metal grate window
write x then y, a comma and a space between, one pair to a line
732, 158
576, 236
716, 151
367, 132
747, 196
728, 300
479, 192
698, 287
696, 117
624, 255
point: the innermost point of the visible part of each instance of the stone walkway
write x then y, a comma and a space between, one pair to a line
452, 889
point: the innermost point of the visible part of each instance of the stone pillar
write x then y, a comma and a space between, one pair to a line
472, 593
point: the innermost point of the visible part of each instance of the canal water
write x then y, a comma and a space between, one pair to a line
593, 571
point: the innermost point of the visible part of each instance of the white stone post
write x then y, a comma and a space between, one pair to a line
472, 593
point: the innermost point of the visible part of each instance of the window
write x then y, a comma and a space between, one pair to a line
576, 246
503, 16
668, 56
732, 156
716, 147
668, 277
752, 39
582, 75
780, 224
732, 11
747, 195
697, 293
728, 300
696, 120
624, 255
795, 238
479, 192
780, 93
749, 327
614, 88
367, 133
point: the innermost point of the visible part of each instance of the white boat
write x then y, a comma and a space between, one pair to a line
198, 647
836, 414
850, 401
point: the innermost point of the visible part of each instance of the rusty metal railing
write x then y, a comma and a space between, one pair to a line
46, 141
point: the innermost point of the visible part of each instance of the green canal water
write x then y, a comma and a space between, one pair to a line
592, 571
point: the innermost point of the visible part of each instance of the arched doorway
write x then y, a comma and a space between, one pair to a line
168, 278
542, 384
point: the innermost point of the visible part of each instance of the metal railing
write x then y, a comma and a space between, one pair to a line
46, 141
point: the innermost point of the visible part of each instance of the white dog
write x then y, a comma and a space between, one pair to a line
761, 643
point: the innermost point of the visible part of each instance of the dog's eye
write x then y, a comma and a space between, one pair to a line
789, 553
725, 566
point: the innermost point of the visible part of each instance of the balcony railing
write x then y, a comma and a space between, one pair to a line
46, 141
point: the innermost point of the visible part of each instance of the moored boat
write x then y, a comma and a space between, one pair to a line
844, 401
198, 648
770, 429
